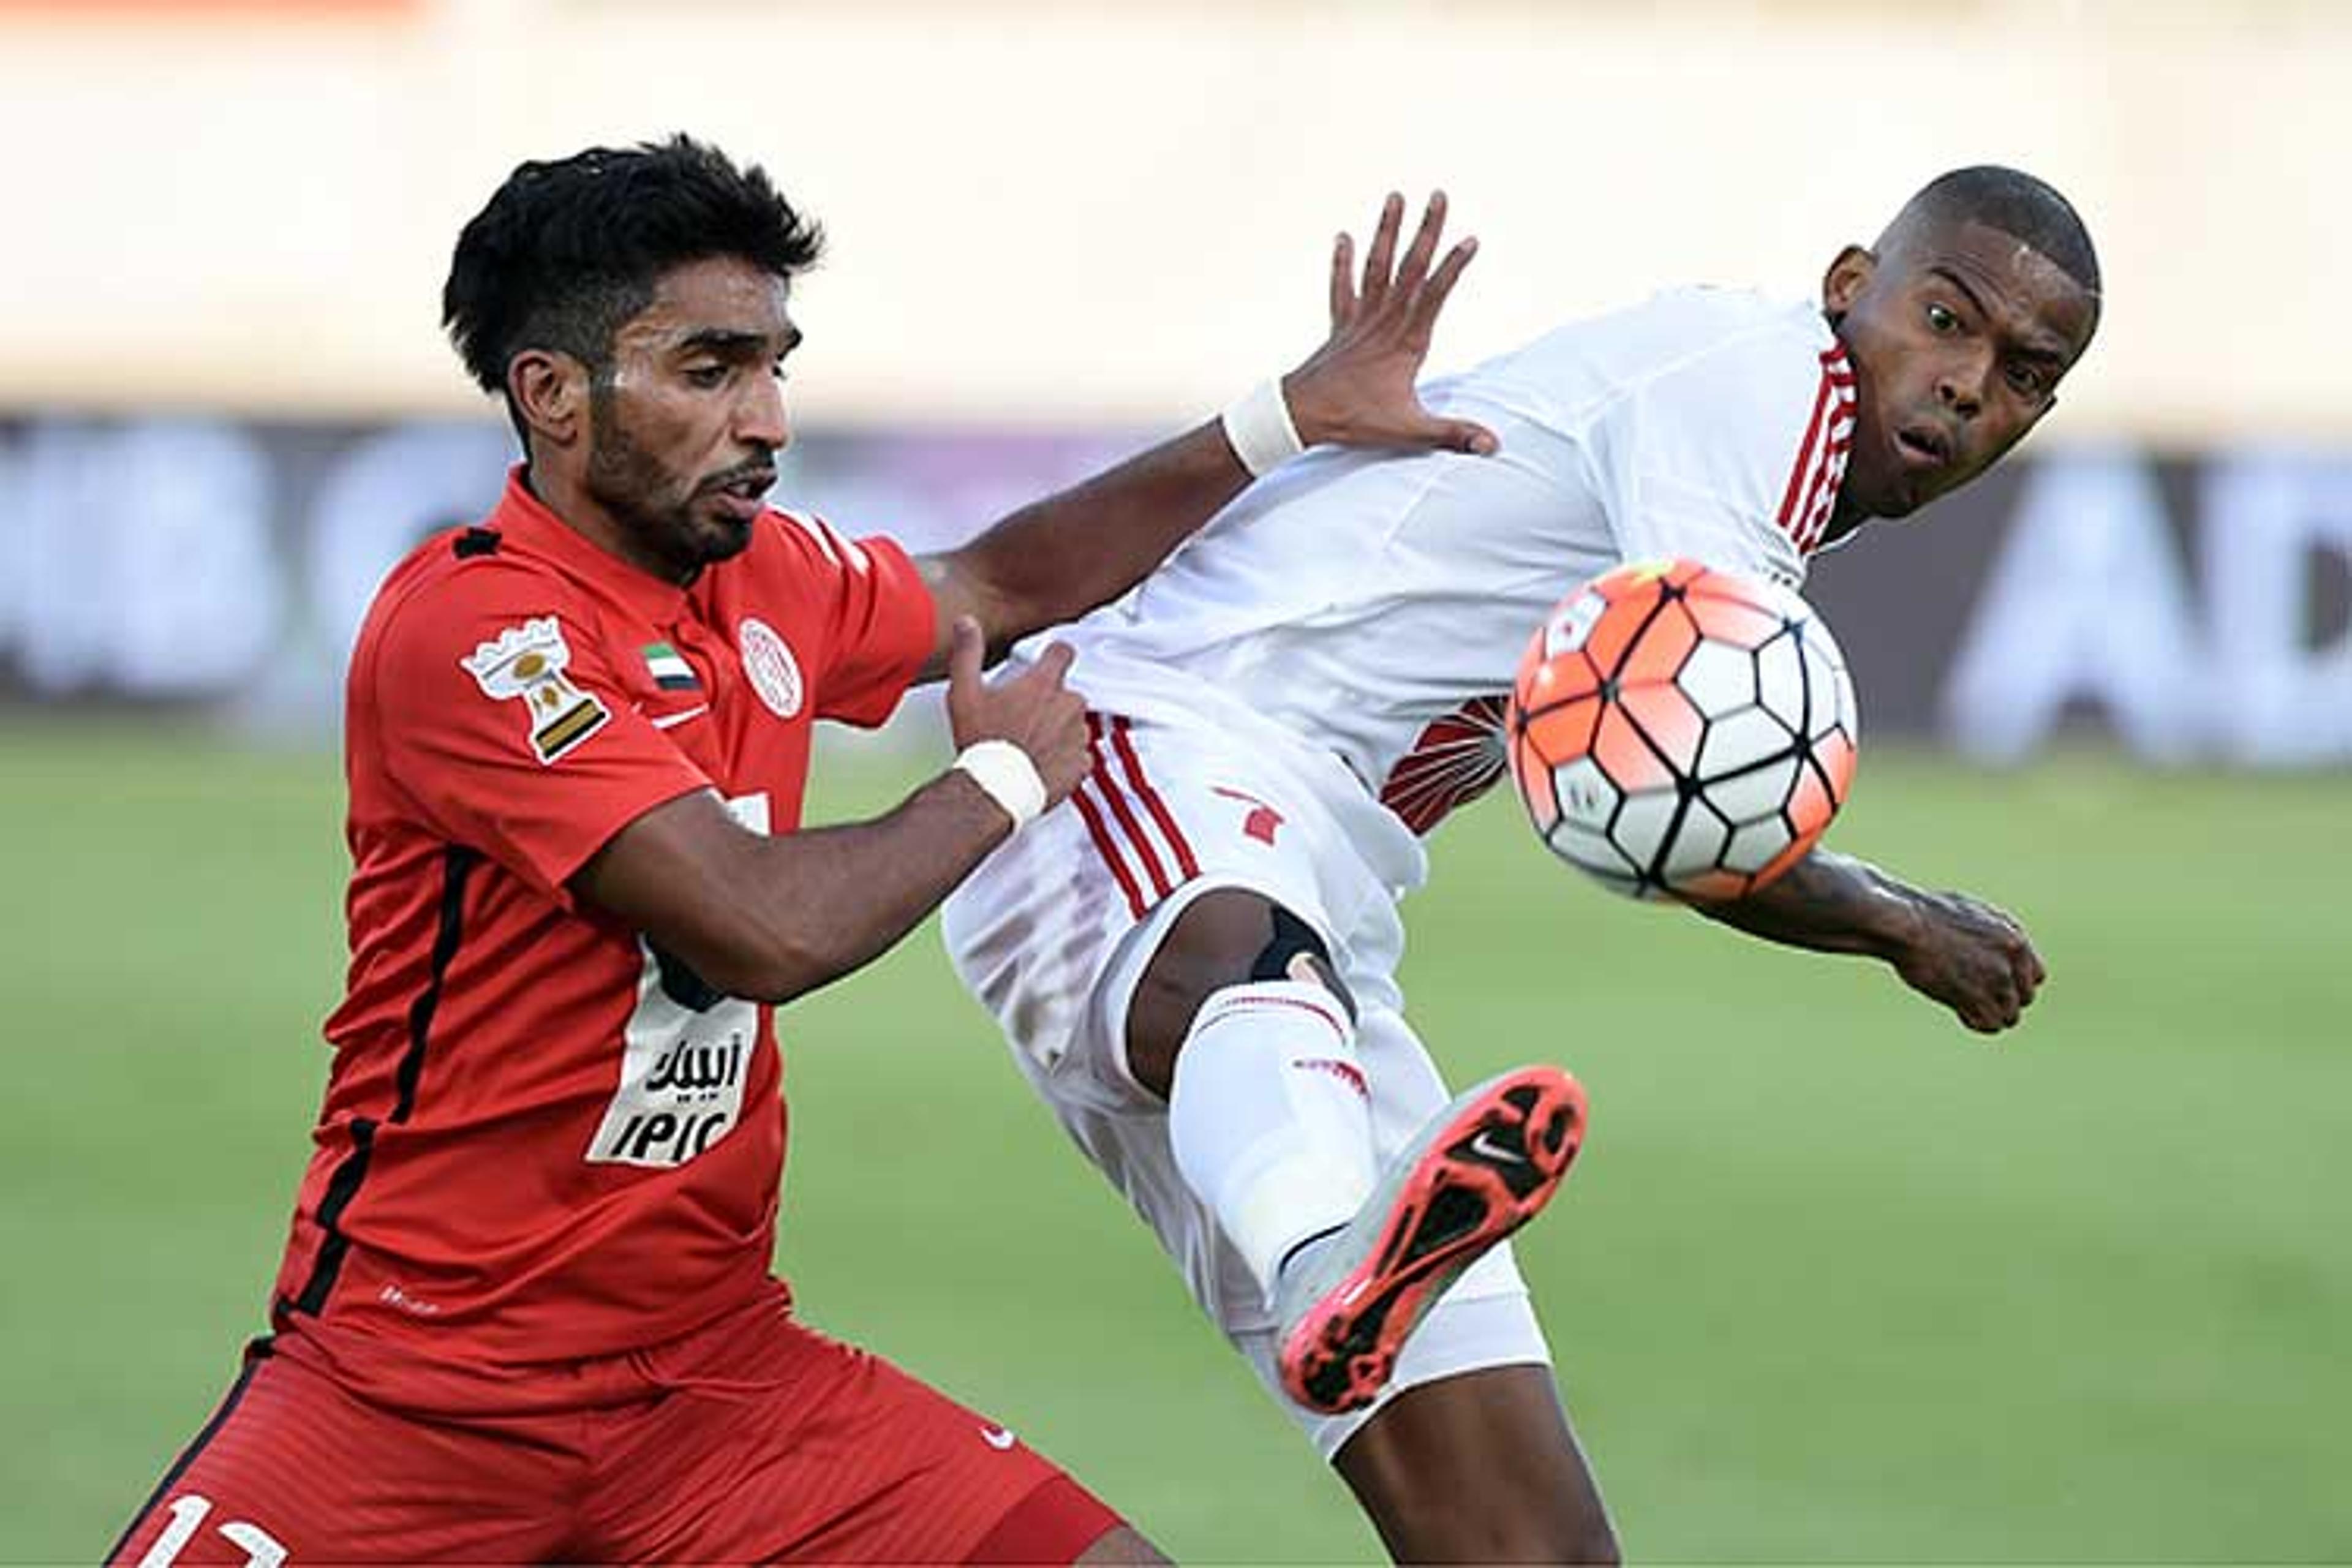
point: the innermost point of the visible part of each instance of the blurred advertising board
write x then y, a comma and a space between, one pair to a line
2193, 610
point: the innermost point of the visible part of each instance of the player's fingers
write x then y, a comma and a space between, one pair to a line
966, 646
1059, 747
1068, 709
1052, 666
1414, 268
1343, 280
1463, 436
2002, 1004
2025, 969
1432, 297
1381, 254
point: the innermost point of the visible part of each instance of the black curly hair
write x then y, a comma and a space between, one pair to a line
567, 251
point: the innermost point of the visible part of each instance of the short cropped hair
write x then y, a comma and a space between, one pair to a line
2025, 208
567, 251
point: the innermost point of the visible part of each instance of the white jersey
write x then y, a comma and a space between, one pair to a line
1375, 607
1316, 676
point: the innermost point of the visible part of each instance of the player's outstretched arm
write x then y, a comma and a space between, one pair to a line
769, 918
1966, 954
1057, 558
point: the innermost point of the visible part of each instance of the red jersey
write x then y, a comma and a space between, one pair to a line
543, 1139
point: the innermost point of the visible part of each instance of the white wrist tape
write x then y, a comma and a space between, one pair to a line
1006, 772
1258, 426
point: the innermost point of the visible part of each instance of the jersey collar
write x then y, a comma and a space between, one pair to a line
523, 518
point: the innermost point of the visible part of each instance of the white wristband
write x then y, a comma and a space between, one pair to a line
1258, 427
1006, 772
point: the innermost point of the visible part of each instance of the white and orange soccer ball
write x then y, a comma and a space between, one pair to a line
1681, 731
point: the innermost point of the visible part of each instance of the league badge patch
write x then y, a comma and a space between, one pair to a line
528, 661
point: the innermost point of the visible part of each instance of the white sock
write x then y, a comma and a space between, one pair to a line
1270, 1119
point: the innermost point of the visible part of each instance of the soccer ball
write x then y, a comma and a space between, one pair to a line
1681, 732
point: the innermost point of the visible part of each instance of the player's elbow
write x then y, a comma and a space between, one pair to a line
771, 968
744, 957
1011, 588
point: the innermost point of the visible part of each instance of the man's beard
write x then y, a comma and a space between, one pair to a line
628, 482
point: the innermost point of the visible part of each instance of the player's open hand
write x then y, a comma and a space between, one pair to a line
1358, 389
1033, 709
1974, 959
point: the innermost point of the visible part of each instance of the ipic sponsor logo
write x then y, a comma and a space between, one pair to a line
688, 1099
699, 1069
665, 1137
686, 1054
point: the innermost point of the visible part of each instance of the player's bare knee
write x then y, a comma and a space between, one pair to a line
1228, 937
1295, 953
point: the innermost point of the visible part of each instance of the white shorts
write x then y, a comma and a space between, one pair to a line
1052, 932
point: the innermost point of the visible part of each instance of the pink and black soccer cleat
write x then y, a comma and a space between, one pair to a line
1482, 1167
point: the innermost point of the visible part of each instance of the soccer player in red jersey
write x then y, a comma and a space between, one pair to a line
526, 1311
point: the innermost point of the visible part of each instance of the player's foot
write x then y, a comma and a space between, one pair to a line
1480, 1169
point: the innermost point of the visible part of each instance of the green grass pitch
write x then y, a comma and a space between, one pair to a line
1834, 1281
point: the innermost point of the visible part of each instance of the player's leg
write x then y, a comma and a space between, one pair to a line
290, 1468
1468, 1455
1465, 1454
1241, 1021
1480, 1467
772, 1443
1101, 990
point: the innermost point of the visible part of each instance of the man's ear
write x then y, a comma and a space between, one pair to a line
550, 390
1842, 284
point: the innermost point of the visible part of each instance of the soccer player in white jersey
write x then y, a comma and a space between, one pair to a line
1195, 957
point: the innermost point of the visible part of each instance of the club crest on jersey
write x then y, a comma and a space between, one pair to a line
527, 662
768, 660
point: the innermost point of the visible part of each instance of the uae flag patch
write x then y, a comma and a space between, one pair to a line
669, 669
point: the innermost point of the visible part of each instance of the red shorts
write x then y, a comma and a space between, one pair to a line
751, 1439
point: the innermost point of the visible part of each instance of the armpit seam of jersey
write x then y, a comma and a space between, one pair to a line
1591, 411
1436, 475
